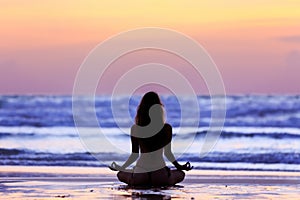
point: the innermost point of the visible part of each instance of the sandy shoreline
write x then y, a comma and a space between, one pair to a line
18, 182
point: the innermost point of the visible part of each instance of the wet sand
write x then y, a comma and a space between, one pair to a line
18, 182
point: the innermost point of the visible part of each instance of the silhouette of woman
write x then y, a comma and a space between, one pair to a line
150, 139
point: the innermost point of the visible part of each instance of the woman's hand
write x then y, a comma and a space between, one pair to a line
115, 167
187, 166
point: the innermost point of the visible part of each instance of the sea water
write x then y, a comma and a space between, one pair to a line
261, 132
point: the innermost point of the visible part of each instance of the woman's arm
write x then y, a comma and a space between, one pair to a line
168, 149
133, 156
169, 154
134, 153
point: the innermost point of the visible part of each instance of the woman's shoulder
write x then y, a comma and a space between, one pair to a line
167, 126
167, 132
133, 129
134, 126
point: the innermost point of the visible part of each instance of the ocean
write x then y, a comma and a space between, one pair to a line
261, 132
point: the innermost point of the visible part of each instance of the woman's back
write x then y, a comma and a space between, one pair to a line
155, 142
151, 149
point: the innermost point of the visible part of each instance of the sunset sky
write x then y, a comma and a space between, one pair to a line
255, 44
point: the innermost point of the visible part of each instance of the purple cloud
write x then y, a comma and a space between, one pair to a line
293, 38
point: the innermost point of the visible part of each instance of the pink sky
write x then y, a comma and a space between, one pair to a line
256, 46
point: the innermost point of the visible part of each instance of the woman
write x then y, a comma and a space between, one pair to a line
150, 139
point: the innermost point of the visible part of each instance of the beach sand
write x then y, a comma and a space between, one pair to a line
19, 182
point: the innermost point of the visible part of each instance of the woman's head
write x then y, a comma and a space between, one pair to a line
150, 99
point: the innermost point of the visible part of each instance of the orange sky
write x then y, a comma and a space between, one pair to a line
255, 44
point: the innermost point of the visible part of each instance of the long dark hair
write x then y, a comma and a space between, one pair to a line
142, 117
